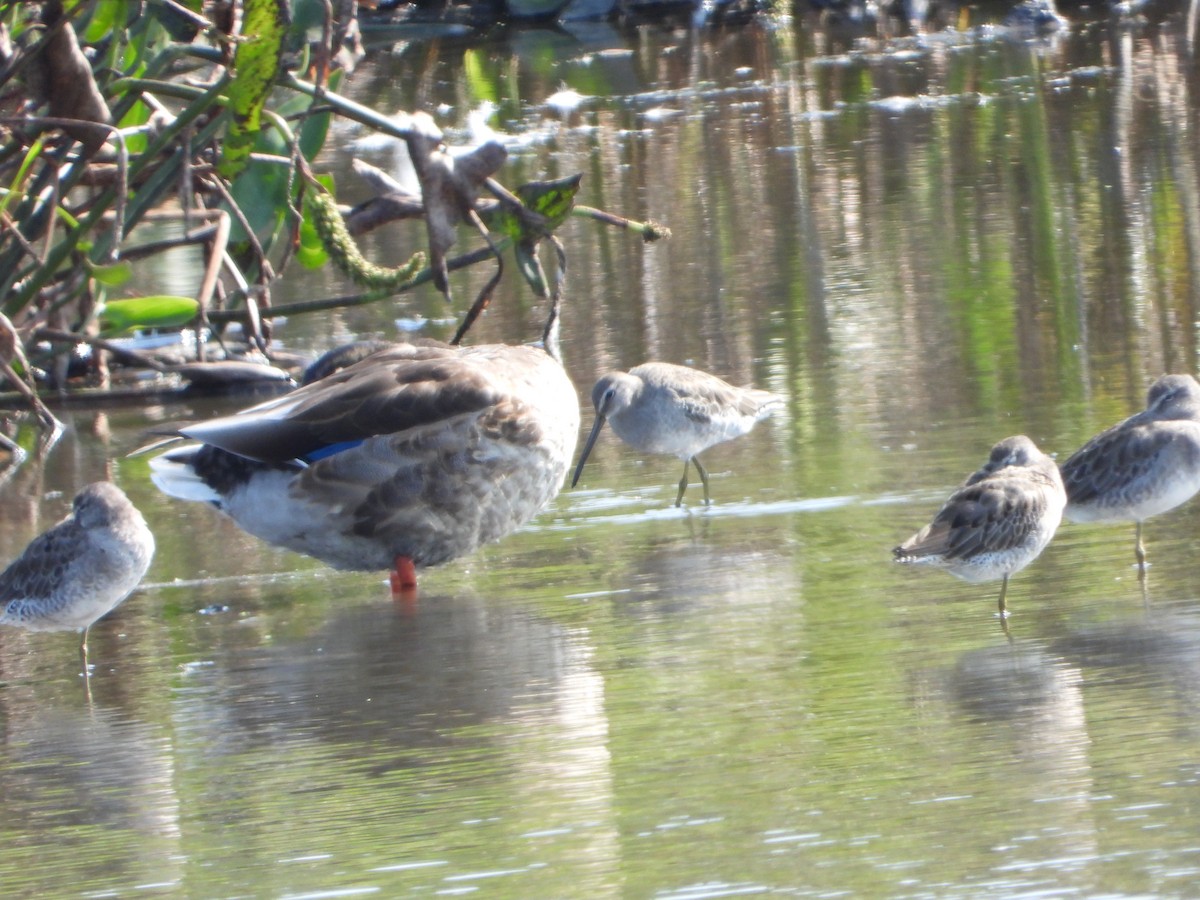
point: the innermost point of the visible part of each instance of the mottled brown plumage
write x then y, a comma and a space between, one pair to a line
83, 567
1143, 466
998, 522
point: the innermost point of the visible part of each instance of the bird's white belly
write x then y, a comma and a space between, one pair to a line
447, 509
1139, 505
267, 508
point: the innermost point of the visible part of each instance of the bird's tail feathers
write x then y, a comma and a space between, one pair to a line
173, 474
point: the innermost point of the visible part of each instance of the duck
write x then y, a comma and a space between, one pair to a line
410, 457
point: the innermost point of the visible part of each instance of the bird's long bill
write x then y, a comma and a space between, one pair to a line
587, 448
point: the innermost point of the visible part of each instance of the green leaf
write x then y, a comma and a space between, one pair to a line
315, 128
119, 316
261, 193
107, 16
311, 253
552, 199
256, 64
261, 190
309, 256
113, 275
18, 182
308, 19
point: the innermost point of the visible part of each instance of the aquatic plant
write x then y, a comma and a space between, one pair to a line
116, 115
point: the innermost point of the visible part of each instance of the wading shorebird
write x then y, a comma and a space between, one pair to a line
81, 569
676, 410
1146, 465
998, 522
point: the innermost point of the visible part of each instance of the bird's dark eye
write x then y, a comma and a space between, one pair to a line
610, 393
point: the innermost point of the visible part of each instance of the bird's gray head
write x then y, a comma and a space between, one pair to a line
1174, 397
99, 504
1017, 450
614, 392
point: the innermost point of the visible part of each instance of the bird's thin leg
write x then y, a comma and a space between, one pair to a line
403, 577
1003, 592
703, 479
1140, 550
83, 653
683, 484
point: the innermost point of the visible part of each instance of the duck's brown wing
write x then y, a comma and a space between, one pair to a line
397, 389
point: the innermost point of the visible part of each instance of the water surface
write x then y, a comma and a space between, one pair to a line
925, 244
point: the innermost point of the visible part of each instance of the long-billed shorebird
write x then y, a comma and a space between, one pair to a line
408, 458
663, 408
1143, 466
998, 522
82, 568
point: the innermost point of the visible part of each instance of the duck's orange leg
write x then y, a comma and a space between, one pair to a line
403, 577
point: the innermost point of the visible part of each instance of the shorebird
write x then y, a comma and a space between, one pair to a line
411, 457
663, 408
82, 568
1146, 465
998, 522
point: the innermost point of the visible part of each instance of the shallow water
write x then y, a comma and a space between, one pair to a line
924, 244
